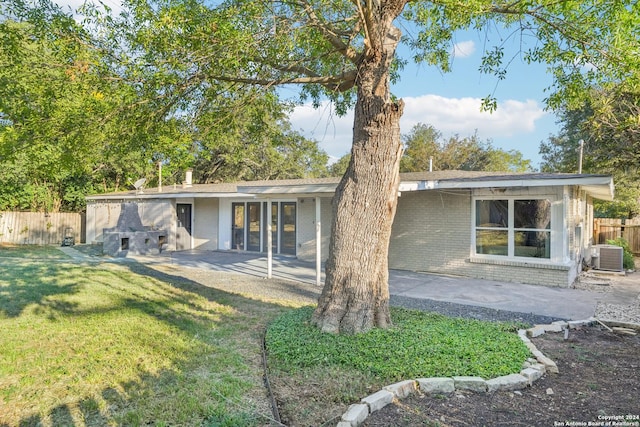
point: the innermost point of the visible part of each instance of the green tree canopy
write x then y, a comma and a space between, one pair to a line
425, 147
74, 123
608, 123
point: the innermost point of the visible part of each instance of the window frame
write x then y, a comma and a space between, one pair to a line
512, 230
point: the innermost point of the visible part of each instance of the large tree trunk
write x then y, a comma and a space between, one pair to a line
355, 297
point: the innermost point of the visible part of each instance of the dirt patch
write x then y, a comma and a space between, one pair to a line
598, 385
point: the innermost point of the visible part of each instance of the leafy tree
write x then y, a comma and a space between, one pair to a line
340, 167
257, 143
425, 147
607, 123
64, 132
346, 51
74, 123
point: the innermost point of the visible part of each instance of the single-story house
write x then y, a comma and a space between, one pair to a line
525, 227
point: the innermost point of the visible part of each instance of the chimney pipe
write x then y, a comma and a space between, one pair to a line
580, 153
159, 176
431, 164
188, 179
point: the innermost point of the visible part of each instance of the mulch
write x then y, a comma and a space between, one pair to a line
598, 385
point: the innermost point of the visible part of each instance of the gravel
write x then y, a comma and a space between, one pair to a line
470, 312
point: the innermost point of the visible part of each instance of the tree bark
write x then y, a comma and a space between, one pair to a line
355, 297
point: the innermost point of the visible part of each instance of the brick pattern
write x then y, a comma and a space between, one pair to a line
432, 233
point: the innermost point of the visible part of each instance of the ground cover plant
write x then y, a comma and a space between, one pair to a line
346, 368
597, 385
104, 345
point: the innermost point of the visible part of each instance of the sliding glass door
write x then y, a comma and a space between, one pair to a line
253, 226
249, 228
237, 227
288, 228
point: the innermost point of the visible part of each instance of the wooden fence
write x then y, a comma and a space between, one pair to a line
38, 228
609, 228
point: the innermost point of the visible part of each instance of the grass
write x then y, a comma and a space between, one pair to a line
104, 345
111, 344
31, 252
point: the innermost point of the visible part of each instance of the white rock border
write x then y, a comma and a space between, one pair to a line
532, 370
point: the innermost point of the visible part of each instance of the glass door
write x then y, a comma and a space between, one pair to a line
288, 228
183, 232
237, 227
253, 226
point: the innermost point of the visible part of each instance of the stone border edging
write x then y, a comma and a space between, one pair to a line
532, 370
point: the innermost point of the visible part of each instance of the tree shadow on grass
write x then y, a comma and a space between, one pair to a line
33, 283
133, 402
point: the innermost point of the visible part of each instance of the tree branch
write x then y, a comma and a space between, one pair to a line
330, 34
341, 82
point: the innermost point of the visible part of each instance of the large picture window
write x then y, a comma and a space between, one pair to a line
513, 228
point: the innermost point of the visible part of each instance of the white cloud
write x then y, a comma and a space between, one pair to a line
513, 119
463, 116
322, 124
464, 49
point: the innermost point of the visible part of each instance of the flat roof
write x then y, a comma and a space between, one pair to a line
598, 186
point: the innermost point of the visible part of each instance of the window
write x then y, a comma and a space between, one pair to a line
492, 233
513, 228
532, 228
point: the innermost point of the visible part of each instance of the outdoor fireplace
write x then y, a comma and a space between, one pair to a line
130, 236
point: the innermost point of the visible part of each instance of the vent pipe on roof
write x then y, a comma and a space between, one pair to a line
159, 176
188, 178
581, 142
431, 164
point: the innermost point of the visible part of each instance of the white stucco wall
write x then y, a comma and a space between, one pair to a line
307, 227
205, 224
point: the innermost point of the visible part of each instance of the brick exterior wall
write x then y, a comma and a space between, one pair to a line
432, 233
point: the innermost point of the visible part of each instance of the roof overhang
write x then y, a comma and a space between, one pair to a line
304, 190
598, 186
172, 195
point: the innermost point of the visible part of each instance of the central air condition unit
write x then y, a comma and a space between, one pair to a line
608, 257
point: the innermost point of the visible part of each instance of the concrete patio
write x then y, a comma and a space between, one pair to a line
564, 303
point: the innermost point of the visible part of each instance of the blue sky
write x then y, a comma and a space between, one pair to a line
451, 103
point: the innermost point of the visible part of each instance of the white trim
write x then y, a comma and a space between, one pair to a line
284, 190
318, 240
176, 195
269, 239
555, 250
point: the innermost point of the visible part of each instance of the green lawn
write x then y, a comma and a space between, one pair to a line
104, 345
31, 252
122, 344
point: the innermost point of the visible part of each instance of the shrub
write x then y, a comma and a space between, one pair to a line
627, 255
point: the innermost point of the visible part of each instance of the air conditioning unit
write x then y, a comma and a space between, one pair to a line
607, 257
